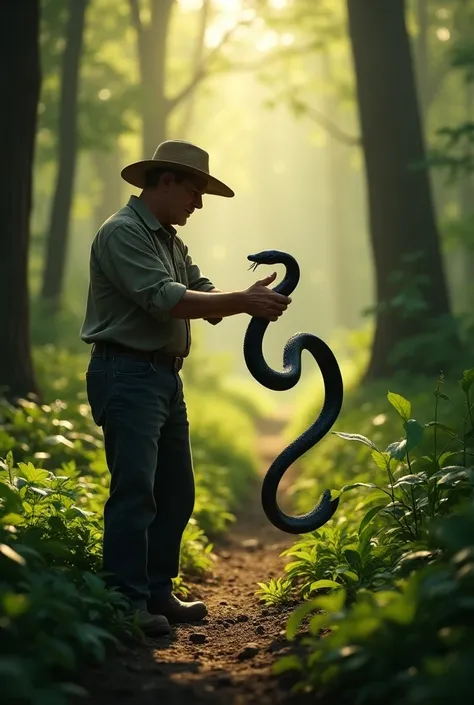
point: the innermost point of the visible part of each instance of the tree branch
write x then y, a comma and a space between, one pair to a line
138, 26
135, 12
202, 68
331, 128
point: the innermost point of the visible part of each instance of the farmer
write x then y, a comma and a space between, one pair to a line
144, 287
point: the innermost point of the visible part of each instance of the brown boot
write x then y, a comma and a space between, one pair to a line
176, 611
152, 624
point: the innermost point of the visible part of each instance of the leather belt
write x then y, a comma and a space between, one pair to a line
104, 349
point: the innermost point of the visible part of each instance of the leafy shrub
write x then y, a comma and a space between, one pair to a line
412, 644
54, 612
400, 567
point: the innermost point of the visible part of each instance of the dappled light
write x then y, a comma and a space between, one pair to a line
236, 371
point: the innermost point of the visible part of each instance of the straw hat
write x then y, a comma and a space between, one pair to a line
177, 154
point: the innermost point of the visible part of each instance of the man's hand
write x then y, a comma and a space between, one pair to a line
263, 302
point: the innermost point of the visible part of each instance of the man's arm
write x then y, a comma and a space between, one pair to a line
214, 321
198, 282
209, 304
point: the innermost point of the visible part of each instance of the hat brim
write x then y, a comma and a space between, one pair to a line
134, 174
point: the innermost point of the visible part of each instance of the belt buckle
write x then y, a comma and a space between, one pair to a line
178, 363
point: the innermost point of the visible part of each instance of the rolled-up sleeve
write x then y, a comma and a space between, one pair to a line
129, 260
196, 280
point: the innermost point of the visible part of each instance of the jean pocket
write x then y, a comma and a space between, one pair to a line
133, 367
97, 366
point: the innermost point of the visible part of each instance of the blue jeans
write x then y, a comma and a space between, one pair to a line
141, 409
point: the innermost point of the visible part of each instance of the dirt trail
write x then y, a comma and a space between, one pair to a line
228, 656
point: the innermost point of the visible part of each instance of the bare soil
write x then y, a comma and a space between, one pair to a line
226, 658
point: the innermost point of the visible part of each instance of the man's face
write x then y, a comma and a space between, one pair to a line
183, 198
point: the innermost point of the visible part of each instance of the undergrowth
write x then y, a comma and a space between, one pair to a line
56, 614
386, 590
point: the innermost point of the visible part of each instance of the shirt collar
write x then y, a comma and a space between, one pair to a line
147, 216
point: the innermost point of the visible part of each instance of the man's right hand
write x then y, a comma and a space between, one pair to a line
263, 302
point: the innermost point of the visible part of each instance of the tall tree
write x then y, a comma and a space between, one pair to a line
152, 39
56, 250
402, 224
20, 79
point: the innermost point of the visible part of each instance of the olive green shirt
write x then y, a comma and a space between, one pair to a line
138, 272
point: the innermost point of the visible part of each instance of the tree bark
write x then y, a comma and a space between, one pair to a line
337, 155
107, 166
20, 79
151, 41
467, 210
56, 248
401, 213
190, 102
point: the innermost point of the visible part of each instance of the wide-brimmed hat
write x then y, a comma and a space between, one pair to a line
177, 154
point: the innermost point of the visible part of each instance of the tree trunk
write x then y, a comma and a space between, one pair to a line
467, 210
403, 231
190, 102
421, 55
20, 79
107, 166
151, 40
56, 249
337, 154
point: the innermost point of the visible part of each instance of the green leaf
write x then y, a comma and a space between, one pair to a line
453, 474
467, 380
371, 514
320, 584
12, 500
443, 427
15, 604
370, 485
400, 404
353, 558
287, 663
395, 509
319, 621
442, 396
296, 617
383, 460
408, 480
397, 449
414, 432
39, 490
32, 474
355, 437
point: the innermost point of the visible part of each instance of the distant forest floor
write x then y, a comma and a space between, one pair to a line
227, 657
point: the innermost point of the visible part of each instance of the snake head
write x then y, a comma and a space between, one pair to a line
267, 257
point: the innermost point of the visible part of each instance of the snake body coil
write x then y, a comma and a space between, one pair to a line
280, 381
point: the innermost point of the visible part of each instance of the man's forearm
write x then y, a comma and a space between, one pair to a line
209, 304
214, 321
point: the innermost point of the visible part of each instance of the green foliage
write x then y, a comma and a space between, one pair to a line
56, 613
398, 563
107, 93
410, 644
276, 592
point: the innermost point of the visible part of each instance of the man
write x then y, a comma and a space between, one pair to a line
144, 289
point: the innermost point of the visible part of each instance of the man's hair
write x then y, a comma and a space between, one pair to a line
153, 176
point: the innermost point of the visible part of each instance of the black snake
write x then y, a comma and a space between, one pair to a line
280, 381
